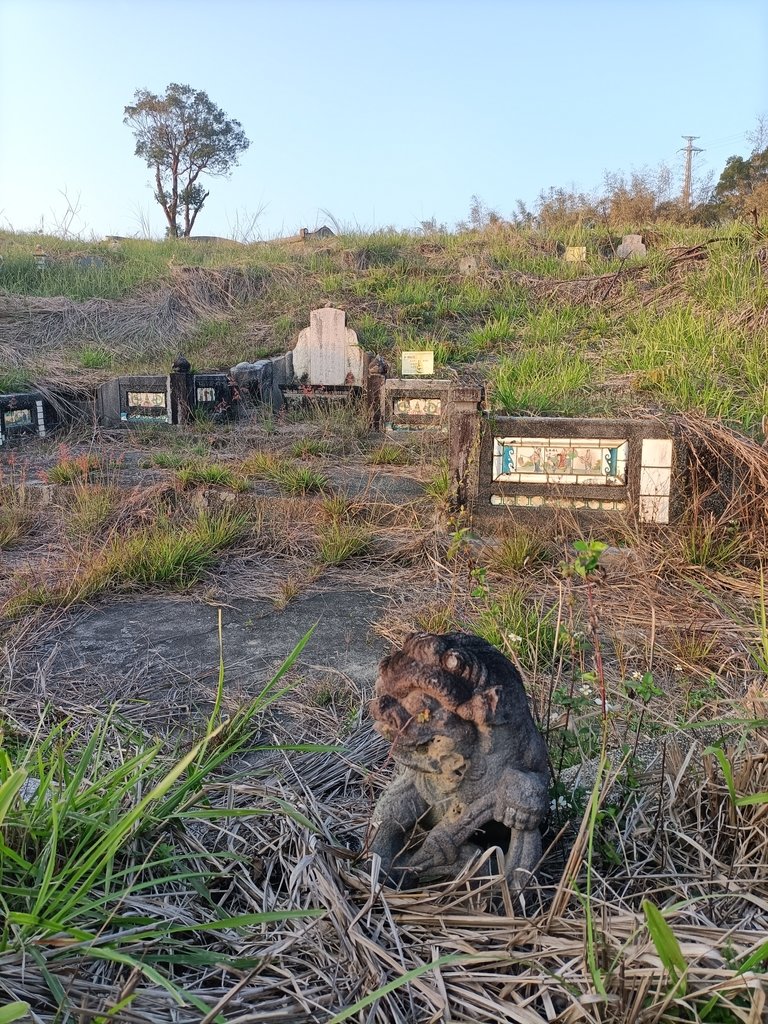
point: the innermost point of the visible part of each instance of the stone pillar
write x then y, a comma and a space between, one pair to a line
374, 391
464, 444
181, 387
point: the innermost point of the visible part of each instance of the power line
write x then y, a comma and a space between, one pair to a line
689, 150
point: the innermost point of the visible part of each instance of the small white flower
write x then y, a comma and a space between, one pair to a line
678, 668
637, 676
514, 638
585, 691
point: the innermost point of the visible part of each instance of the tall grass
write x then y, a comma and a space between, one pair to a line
100, 855
543, 381
171, 553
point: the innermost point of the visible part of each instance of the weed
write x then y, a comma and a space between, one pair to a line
94, 358
310, 446
546, 380
519, 626
168, 553
299, 480
264, 465
287, 590
341, 541
707, 542
517, 550
439, 487
70, 469
94, 817
169, 460
388, 455
212, 474
90, 510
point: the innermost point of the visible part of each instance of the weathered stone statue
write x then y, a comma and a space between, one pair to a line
475, 770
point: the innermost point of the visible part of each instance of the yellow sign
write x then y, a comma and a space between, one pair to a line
418, 364
575, 254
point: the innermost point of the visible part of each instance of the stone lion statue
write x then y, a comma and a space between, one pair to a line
474, 766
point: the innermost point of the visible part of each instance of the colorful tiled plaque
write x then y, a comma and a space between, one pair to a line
418, 406
206, 394
149, 405
560, 460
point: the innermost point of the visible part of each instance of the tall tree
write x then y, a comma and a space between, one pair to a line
181, 135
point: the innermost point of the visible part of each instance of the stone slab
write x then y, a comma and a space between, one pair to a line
327, 353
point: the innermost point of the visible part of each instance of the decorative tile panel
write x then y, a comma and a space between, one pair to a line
418, 406
560, 460
206, 394
147, 405
551, 501
18, 418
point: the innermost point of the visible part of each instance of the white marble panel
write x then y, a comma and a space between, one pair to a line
657, 452
653, 508
655, 481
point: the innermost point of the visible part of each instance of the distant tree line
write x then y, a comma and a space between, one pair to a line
644, 197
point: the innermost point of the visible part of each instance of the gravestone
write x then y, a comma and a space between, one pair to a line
25, 414
212, 393
598, 470
127, 401
631, 245
327, 353
575, 254
468, 265
417, 364
416, 404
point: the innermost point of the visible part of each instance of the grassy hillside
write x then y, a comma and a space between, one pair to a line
684, 329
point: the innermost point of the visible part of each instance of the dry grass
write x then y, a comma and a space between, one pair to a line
458, 952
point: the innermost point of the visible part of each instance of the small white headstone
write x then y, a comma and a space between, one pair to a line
631, 245
327, 352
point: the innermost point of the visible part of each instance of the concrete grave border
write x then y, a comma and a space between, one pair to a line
653, 493
43, 416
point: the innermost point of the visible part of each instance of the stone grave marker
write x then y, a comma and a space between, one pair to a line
126, 401
327, 353
25, 414
415, 404
599, 470
631, 245
575, 254
417, 364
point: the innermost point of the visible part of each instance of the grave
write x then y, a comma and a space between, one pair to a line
598, 470
128, 401
263, 381
631, 245
575, 254
415, 404
328, 362
25, 414
212, 393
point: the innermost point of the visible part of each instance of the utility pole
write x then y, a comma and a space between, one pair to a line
689, 150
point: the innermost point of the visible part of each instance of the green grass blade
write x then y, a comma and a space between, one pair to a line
9, 789
667, 946
13, 1011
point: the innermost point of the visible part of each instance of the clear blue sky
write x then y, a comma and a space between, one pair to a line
379, 111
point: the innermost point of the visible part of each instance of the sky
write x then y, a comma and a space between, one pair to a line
375, 113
